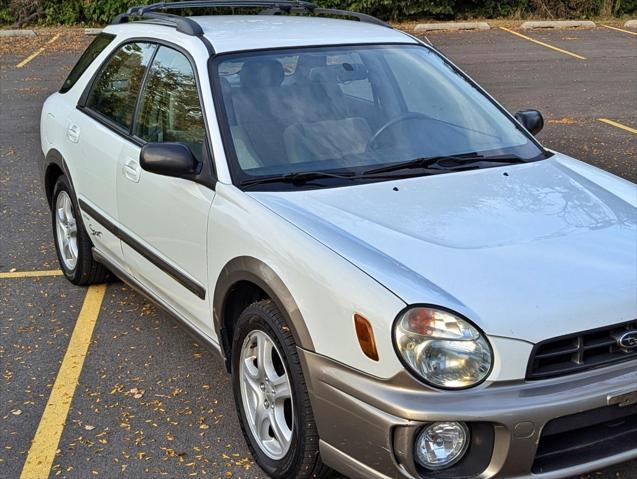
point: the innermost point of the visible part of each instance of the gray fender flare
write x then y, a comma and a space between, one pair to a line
247, 268
53, 157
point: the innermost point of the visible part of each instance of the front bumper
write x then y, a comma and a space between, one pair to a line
368, 426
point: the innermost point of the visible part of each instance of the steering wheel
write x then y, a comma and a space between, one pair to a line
371, 144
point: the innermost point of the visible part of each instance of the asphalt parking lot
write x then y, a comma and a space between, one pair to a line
151, 401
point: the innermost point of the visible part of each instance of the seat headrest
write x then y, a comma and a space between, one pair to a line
261, 73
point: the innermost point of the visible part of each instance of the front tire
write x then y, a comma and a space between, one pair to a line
72, 243
271, 396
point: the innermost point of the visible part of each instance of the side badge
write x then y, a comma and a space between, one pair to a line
94, 232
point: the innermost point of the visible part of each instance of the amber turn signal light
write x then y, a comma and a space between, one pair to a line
365, 335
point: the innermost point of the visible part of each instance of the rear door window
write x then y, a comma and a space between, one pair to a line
114, 92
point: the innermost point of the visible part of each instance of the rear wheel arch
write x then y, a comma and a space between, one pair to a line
55, 166
243, 281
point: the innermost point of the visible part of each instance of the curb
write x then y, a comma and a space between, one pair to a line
630, 24
454, 26
92, 31
17, 33
557, 24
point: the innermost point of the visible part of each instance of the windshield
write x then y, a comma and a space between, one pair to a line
355, 109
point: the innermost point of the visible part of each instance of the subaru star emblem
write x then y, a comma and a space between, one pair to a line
627, 340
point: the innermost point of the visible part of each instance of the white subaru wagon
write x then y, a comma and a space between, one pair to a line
403, 282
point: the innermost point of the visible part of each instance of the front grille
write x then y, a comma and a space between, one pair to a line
586, 437
580, 351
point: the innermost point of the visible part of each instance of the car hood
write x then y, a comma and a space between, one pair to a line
527, 251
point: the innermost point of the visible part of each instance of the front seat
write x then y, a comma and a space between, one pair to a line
260, 110
327, 130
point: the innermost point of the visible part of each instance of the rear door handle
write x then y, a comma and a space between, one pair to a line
73, 133
132, 170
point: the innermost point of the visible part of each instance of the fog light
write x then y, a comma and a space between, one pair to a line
441, 444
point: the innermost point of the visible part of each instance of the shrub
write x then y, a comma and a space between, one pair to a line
627, 6
101, 11
401, 9
445, 9
493, 8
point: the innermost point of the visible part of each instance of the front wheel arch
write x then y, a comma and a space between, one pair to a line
245, 280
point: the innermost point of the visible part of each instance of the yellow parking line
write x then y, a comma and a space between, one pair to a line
618, 125
47, 437
620, 30
30, 274
37, 52
565, 52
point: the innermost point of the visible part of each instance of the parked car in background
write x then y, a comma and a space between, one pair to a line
404, 283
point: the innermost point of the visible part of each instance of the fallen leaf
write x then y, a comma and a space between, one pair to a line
137, 393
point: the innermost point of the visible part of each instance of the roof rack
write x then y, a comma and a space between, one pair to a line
314, 9
191, 27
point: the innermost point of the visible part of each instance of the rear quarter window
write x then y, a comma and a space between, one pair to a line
96, 47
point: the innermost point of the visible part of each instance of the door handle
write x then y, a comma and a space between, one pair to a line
73, 133
132, 170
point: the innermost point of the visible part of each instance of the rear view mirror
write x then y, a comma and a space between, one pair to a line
169, 159
531, 120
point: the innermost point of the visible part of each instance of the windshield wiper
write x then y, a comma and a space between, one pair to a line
433, 163
446, 162
299, 178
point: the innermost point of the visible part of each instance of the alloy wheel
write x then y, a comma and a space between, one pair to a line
66, 230
266, 394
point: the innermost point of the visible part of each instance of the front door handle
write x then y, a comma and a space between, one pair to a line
132, 170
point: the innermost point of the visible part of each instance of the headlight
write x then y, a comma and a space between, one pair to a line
442, 348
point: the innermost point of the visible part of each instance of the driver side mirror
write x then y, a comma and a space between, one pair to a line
531, 120
169, 159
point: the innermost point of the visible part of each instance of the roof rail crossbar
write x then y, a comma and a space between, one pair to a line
316, 10
182, 24
191, 27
